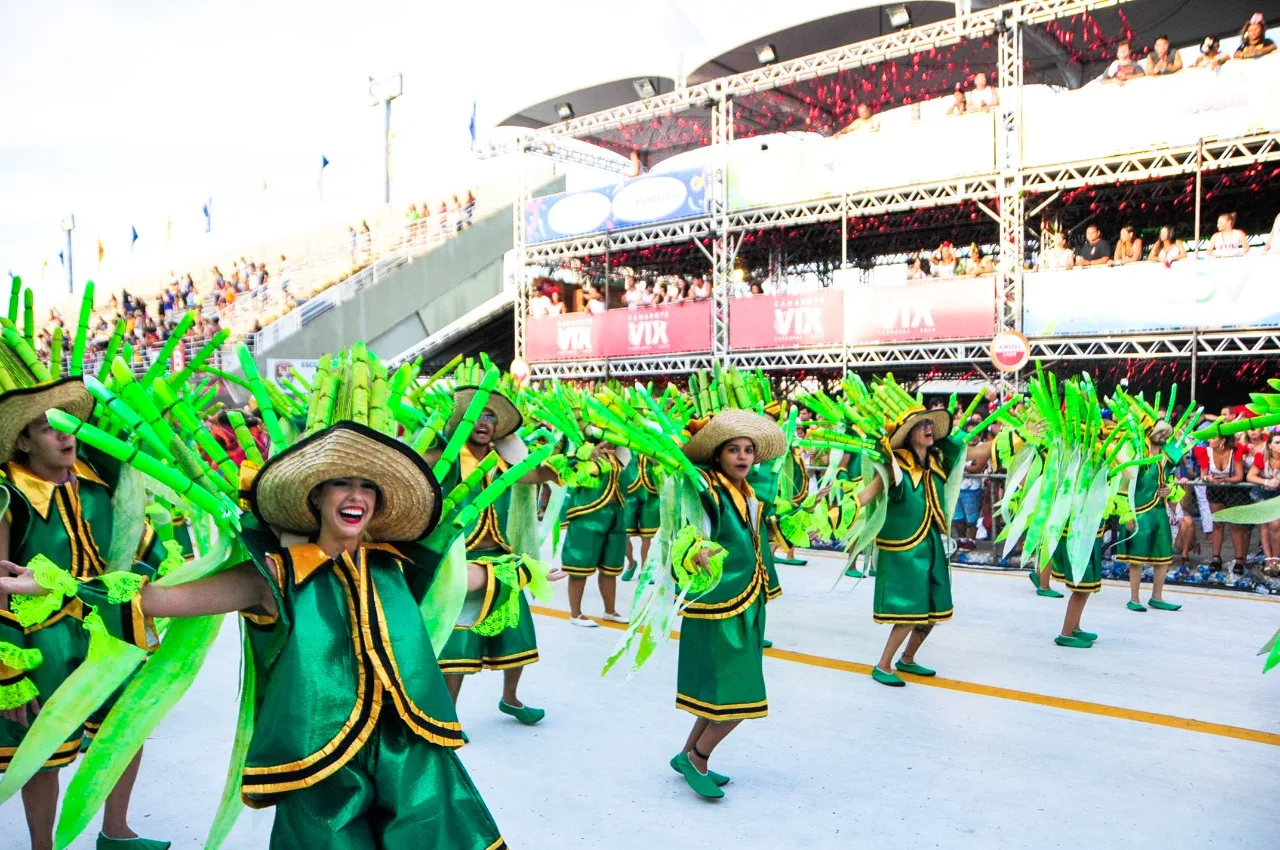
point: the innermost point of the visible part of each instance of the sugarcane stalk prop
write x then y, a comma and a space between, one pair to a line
193, 426
55, 355
146, 464
128, 417
226, 377
501, 484
259, 392
76, 367
15, 298
474, 479
113, 350
247, 443
196, 363
29, 316
23, 348
460, 434
164, 357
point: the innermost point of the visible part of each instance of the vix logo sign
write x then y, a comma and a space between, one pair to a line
647, 334
797, 321
905, 314
575, 338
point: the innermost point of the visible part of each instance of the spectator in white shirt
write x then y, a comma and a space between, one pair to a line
540, 305
1124, 67
631, 296
1229, 241
700, 291
1059, 257
983, 96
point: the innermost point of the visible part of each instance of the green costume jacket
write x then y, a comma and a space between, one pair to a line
1150, 479
491, 524
764, 481
347, 644
916, 502
735, 524
639, 473
610, 492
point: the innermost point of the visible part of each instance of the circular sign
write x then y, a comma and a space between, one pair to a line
1010, 351
520, 370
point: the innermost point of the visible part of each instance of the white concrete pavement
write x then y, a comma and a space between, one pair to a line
841, 761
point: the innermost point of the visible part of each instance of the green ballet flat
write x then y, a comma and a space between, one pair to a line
526, 714
105, 843
629, 573
766, 643
791, 562
1083, 635
1161, 605
1135, 606
718, 778
1049, 592
701, 783
853, 572
915, 669
1073, 642
1035, 582
893, 680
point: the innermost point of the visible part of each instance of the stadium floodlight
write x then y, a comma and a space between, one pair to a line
564, 111
766, 53
383, 92
899, 16
645, 87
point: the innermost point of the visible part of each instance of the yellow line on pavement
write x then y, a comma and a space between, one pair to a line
1215, 592
1064, 703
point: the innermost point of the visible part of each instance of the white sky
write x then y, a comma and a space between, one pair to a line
131, 112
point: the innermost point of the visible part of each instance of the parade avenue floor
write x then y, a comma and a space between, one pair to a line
1163, 735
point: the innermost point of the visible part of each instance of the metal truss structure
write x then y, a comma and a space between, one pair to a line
1002, 195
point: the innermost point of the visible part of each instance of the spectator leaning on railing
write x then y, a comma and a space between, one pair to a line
1160, 61
1095, 251
1124, 67
1128, 247
1229, 241
1254, 43
1166, 249
983, 96
1060, 257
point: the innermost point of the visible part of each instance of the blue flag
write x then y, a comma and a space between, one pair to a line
472, 127
134, 238
324, 162
62, 261
208, 215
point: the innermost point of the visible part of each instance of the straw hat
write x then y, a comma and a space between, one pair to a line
729, 425
899, 431
509, 418
409, 506
20, 407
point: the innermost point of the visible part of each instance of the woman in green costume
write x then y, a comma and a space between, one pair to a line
721, 670
913, 578
642, 509
59, 507
595, 533
354, 731
1149, 541
511, 650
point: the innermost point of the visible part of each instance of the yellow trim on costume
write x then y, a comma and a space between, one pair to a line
368, 697
577, 571
64, 755
915, 619
508, 662
735, 711
773, 593
612, 492
500, 844
148, 537
490, 592
1141, 559
460, 666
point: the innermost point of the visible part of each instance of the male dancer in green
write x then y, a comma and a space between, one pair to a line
1149, 541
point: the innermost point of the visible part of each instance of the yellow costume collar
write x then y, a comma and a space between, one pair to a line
309, 557
39, 491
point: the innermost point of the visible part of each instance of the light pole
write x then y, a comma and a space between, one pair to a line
384, 91
68, 225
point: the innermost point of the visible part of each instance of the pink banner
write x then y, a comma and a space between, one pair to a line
808, 320
642, 332
919, 311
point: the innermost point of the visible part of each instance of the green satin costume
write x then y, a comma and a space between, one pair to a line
71, 525
595, 523
721, 668
354, 730
764, 481
468, 652
913, 577
1091, 581
1152, 542
644, 507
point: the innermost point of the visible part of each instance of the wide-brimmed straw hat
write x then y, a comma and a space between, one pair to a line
729, 425
509, 418
20, 407
899, 431
409, 504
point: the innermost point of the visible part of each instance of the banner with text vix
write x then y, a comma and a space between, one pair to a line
642, 332
805, 320
920, 311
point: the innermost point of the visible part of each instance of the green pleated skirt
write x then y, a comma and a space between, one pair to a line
721, 672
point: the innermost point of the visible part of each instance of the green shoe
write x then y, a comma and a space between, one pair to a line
526, 714
1073, 642
105, 843
629, 573
766, 643
792, 562
1083, 635
702, 783
1162, 605
854, 572
718, 778
1049, 592
1134, 606
893, 680
915, 669
1035, 582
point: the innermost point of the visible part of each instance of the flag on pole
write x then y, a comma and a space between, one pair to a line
133, 238
207, 209
101, 251
62, 261
472, 127
324, 163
